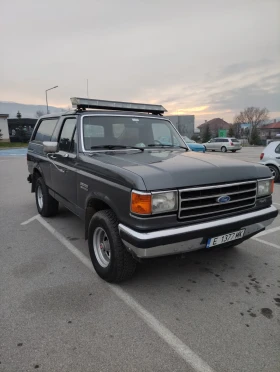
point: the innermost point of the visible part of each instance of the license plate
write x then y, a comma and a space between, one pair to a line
224, 238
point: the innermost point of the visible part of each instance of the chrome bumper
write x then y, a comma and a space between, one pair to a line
193, 237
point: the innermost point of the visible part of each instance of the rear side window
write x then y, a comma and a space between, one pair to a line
45, 130
277, 150
66, 142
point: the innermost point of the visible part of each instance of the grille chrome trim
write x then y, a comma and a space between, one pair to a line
213, 205
246, 192
217, 195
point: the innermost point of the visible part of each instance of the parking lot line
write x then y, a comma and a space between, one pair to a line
267, 243
269, 231
30, 220
182, 350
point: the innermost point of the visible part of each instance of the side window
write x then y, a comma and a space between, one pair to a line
45, 130
277, 150
67, 135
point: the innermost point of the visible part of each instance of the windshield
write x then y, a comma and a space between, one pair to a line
187, 139
128, 131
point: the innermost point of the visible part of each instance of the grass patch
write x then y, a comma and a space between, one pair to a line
6, 145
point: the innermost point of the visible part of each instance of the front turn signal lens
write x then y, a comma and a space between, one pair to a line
141, 203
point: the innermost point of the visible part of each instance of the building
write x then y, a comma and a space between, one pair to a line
4, 128
215, 125
20, 129
184, 124
270, 131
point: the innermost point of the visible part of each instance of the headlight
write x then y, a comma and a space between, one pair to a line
153, 203
265, 187
164, 202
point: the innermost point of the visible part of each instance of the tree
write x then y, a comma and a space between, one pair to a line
39, 113
255, 138
1, 134
254, 116
231, 132
206, 135
195, 137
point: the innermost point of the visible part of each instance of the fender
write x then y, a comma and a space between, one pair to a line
36, 169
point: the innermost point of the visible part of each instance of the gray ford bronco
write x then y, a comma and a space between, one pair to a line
126, 172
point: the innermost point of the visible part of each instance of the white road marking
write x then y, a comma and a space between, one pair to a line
30, 220
267, 243
277, 203
269, 231
189, 356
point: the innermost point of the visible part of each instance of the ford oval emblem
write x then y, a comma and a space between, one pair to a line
223, 199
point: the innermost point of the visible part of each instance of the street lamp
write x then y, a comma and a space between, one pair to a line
47, 96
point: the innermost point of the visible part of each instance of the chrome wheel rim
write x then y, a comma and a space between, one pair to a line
223, 149
101, 246
40, 197
272, 170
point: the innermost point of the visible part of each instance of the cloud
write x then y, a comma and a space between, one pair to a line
198, 57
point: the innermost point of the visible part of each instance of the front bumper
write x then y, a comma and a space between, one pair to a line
194, 237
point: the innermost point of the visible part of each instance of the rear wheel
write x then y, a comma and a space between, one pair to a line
275, 172
109, 256
224, 149
47, 206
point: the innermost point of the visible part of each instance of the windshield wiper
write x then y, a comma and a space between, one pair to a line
115, 147
166, 145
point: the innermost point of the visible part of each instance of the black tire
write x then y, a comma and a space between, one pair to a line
49, 206
233, 150
121, 264
224, 149
213, 150
275, 171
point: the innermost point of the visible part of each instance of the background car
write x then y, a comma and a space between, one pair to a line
271, 158
223, 144
193, 145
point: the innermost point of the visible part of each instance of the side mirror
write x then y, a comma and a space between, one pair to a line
50, 147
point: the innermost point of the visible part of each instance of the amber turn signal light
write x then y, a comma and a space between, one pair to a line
141, 203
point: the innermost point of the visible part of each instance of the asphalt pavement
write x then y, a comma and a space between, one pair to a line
214, 310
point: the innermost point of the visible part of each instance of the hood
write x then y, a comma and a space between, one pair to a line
166, 169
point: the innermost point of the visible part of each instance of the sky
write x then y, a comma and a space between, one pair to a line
209, 58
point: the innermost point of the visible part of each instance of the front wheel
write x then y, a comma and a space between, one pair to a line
275, 172
46, 205
224, 149
109, 256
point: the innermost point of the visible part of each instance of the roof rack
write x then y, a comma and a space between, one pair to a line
84, 103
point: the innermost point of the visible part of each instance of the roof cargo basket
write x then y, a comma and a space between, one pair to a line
86, 103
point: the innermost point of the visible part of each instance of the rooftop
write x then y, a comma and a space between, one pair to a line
272, 126
217, 122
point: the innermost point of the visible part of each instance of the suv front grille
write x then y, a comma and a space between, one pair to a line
201, 202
